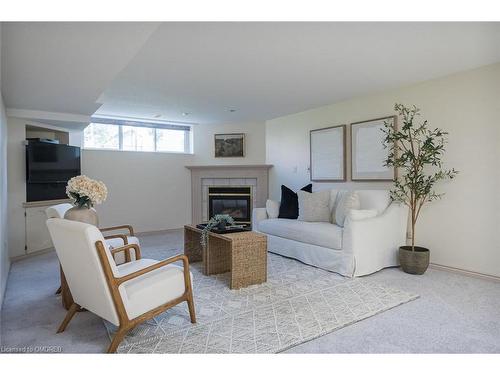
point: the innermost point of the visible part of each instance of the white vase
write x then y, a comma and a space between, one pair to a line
82, 214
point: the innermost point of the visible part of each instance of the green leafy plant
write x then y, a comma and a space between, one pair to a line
417, 151
215, 221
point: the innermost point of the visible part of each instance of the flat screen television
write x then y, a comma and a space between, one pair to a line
51, 163
49, 166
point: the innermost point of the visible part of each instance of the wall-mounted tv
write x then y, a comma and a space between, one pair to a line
49, 166
49, 162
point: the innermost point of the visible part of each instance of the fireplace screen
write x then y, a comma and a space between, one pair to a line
233, 201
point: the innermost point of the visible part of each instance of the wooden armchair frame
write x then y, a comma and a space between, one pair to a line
124, 237
113, 282
117, 227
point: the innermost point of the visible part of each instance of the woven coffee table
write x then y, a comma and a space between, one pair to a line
244, 254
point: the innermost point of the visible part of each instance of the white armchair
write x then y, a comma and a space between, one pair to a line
125, 295
112, 241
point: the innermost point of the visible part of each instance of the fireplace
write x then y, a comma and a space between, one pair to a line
230, 200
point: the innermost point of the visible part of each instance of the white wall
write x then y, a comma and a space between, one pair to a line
16, 185
255, 150
148, 190
4, 257
462, 229
152, 191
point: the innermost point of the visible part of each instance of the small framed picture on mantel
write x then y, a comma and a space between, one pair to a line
367, 151
229, 145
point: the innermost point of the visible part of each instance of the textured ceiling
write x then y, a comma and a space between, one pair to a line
261, 70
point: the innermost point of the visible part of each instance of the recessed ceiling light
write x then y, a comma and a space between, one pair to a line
185, 113
157, 116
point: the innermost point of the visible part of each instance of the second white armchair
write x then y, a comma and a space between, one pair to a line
112, 240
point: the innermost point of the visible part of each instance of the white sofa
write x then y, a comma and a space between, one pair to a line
361, 247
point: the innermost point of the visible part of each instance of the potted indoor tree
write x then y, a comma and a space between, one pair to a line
417, 151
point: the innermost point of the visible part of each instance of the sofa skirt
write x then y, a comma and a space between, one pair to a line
328, 259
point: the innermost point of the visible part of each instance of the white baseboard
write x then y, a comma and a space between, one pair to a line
158, 231
30, 255
460, 271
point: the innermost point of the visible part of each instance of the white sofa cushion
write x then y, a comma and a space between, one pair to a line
345, 202
314, 206
374, 200
333, 198
272, 209
318, 233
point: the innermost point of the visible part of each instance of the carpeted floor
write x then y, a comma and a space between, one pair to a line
454, 314
296, 304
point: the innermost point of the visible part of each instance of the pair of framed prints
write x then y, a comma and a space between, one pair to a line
329, 155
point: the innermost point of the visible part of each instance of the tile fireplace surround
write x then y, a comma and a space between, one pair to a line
202, 176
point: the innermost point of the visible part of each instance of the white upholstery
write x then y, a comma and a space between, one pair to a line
153, 289
314, 206
129, 267
368, 242
345, 202
113, 243
374, 242
59, 210
258, 216
315, 233
362, 214
75, 246
77, 253
374, 200
272, 209
328, 259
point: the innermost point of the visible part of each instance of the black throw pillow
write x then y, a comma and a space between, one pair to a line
289, 207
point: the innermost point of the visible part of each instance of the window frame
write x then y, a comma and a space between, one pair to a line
186, 128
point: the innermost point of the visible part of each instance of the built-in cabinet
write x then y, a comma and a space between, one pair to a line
37, 237
37, 234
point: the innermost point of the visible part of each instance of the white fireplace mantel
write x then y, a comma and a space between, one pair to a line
230, 166
227, 173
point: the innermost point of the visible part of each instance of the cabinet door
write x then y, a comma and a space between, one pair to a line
37, 234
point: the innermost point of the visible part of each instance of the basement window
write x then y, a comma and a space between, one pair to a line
125, 135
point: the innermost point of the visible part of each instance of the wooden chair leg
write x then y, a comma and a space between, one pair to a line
118, 339
66, 297
192, 312
69, 315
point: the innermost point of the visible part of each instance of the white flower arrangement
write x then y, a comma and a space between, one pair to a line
86, 192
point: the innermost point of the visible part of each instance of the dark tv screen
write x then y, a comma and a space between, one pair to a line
51, 163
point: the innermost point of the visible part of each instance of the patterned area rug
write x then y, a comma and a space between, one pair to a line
297, 303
